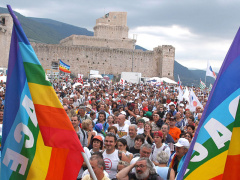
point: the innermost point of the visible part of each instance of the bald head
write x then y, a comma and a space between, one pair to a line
121, 120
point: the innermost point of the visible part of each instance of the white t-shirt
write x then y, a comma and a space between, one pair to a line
127, 122
111, 162
122, 131
140, 131
156, 150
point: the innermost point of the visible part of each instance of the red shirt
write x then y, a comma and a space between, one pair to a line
145, 108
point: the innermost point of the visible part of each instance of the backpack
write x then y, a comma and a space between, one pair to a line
84, 135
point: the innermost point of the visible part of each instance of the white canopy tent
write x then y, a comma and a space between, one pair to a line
163, 79
97, 76
167, 80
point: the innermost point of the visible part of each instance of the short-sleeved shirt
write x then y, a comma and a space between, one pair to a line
122, 131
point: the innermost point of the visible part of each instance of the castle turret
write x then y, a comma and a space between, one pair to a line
6, 24
112, 26
165, 56
110, 31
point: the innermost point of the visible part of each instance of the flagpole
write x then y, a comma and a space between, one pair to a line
89, 166
205, 79
58, 71
206, 73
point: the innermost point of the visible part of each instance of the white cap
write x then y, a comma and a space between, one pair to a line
145, 119
171, 104
123, 112
182, 142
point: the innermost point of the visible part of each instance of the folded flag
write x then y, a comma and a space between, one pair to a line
214, 152
202, 85
64, 67
38, 139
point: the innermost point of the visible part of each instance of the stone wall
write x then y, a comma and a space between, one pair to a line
6, 24
99, 42
107, 55
82, 59
112, 26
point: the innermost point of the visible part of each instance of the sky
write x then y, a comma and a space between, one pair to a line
200, 30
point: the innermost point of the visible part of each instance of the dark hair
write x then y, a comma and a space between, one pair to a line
192, 118
182, 134
115, 110
111, 135
101, 112
191, 126
101, 143
92, 113
190, 134
124, 142
141, 137
169, 114
114, 103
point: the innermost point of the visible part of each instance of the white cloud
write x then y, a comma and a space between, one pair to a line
192, 50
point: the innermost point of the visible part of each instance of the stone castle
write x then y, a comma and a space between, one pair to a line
109, 51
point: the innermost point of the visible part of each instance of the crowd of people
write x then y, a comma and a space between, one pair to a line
130, 131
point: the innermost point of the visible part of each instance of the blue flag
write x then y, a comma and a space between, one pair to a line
215, 150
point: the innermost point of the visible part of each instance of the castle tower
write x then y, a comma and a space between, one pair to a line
112, 26
110, 31
6, 24
164, 56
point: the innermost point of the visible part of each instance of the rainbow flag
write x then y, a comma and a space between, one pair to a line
38, 140
64, 67
215, 150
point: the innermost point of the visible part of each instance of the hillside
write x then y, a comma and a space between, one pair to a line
190, 77
49, 31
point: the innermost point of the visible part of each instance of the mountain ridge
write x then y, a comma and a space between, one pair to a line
45, 30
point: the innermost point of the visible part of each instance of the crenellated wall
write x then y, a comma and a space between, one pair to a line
107, 60
112, 26
109, 51
99, 42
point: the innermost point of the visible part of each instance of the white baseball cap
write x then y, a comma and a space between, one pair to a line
123, 112
182, 142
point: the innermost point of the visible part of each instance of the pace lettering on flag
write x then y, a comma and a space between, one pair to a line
215, 150
64, 67
38, 140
